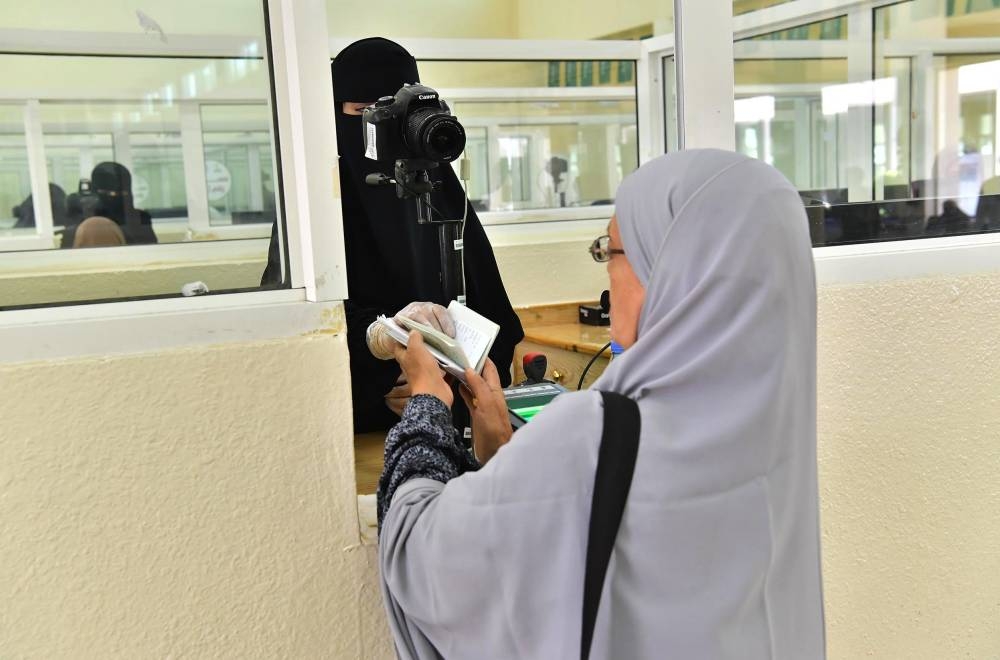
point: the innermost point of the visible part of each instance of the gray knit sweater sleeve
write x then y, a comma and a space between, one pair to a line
424, 444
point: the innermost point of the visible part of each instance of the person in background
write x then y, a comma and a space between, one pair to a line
112, 185
988, 207
25, 211
393, 265
98, 232
718, 551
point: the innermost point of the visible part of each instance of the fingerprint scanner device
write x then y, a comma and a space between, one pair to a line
525, 401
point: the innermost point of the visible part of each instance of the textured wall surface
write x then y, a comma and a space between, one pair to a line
537, 274
200, 502
909, 440
190, 503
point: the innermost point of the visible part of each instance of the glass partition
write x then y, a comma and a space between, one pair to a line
780, 116
239, 169
887, 136
153, 127
941, 143
17, 216
535, 142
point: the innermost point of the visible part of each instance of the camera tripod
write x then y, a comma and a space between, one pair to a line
413, 181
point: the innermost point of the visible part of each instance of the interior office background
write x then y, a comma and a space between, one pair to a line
175, 474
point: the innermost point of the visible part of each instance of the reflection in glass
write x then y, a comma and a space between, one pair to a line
71, 157
239, 172
16, 212
537, 146
939, 142
780, 113
147, 113
909, 150
158, 178
118, 138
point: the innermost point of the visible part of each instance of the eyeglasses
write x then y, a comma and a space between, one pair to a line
601, 249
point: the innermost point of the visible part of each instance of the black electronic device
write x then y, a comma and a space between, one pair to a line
534, 366
593, 315
415, 124
599, 314
415, 130
525, 401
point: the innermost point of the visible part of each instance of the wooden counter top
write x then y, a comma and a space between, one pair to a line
558, 326
369, 453
570, 336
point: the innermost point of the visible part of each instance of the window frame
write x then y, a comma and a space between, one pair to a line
532, 50
882, 260
307, 185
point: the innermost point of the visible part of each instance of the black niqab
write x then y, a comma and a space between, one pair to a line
391, 260
112, 185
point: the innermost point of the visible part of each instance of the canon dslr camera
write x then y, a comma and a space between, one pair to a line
415, 124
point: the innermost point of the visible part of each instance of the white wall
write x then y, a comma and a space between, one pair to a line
566, 19
483, 19
185, 503
200, 501
909, 454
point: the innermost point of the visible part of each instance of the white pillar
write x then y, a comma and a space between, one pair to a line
122, 147
860, 127
38, 173
651, 88
703, 32
945, 165
256, 185
494, 177
300, 53
803, 144
994, 167
193, 154
86, 164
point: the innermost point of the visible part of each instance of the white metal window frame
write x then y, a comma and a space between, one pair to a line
308, 170
301, 56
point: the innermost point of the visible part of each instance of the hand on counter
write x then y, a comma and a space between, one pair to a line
490, 423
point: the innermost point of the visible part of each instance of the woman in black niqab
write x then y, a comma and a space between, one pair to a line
112, 185
391, 260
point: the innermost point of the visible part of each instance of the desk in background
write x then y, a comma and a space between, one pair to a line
369, 452
556, 331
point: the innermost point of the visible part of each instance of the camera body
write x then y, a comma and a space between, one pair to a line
85, 202
414, 124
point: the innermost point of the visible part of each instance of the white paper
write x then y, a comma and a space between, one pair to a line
371, 150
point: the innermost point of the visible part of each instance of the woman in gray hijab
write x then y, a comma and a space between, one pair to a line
713, 296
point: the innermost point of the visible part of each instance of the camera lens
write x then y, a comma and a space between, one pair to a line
434, 135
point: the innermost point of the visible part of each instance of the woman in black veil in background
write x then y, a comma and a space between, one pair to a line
391, 260
112, 199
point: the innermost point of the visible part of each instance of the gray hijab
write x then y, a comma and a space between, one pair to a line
718, 551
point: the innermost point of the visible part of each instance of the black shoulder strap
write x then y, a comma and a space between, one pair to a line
615, 465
